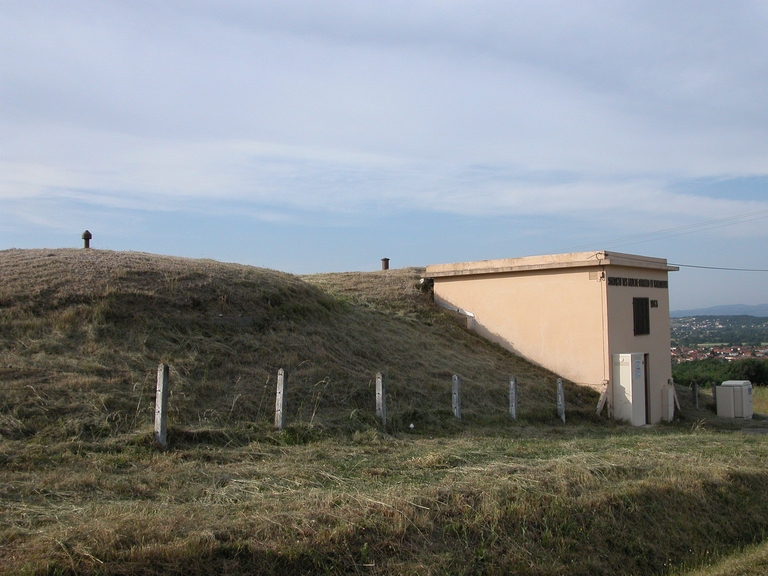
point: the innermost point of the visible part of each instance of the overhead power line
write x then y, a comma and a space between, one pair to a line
679, 230
719, 268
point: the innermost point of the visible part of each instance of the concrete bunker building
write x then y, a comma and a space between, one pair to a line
595, 318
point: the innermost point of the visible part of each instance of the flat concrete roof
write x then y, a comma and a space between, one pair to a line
548, 262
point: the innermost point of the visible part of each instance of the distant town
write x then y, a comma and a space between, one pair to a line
729, 353
726, 337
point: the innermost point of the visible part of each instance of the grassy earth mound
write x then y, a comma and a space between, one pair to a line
82, 333
84, 490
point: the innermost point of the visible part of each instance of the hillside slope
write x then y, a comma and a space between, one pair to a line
82, 332
84, 489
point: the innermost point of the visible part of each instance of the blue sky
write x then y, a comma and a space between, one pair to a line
323, 136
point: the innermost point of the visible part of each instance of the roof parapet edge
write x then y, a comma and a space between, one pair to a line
547, 262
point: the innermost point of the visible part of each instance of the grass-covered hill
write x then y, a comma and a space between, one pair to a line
84, 490
82, 333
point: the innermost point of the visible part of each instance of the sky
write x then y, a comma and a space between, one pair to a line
323, 136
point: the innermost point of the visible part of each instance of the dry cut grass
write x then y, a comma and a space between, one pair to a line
752, 561
538, 500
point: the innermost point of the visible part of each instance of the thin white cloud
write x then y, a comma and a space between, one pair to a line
483, 108
140, 174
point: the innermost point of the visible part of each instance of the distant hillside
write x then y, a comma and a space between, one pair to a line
85, 330
760, 310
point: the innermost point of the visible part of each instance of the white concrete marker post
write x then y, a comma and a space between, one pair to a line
674, 394
695, 392
456, 396
161, 406
560, 400
513, 397
668, 403
381, 399
280, 400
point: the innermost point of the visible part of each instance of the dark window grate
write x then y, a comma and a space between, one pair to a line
642, 312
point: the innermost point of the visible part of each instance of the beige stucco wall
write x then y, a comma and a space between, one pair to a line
621, 338
555, 318
562, 311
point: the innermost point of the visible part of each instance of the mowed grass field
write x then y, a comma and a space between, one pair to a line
548, 500
84, 490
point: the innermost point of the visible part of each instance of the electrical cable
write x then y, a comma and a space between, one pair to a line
679, 230
719, 268
689, 229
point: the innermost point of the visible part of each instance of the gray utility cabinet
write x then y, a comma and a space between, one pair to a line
734, 399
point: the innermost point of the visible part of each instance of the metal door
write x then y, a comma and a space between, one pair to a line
629, 388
